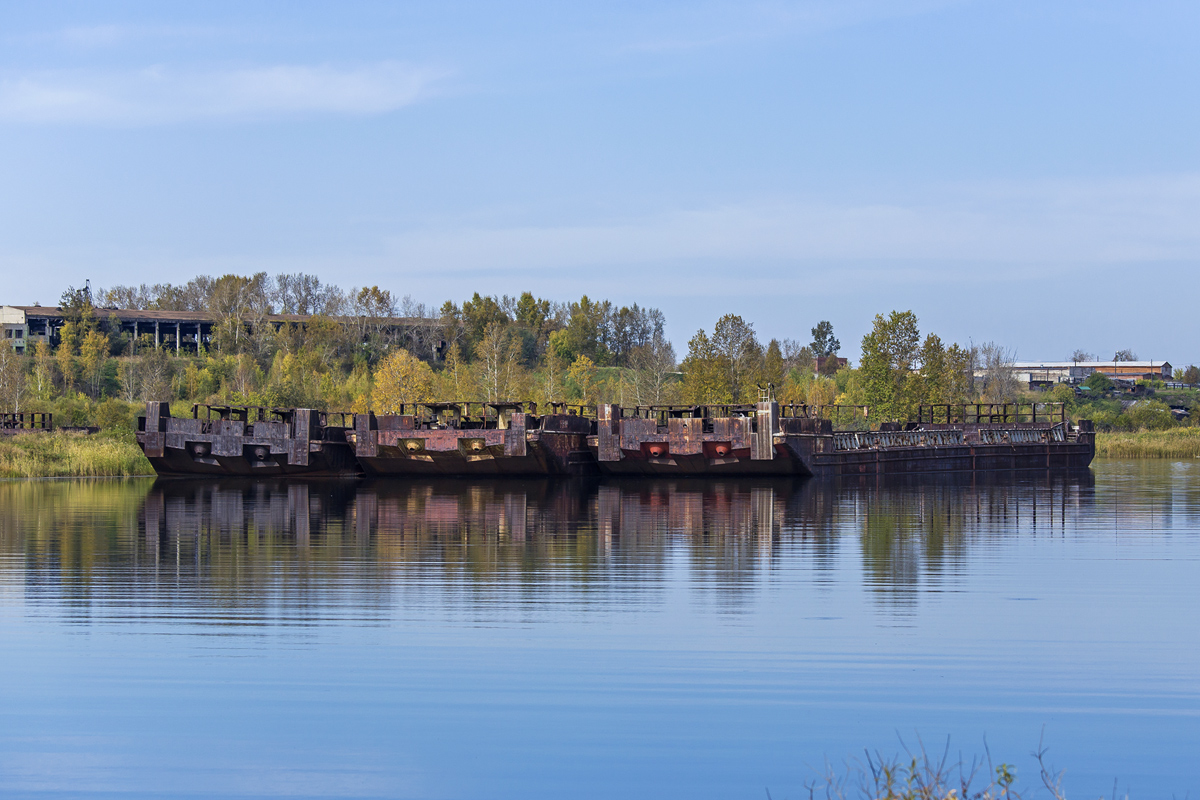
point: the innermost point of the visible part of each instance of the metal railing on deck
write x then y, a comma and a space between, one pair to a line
242, 413
469, 413
252, 414
704, 411
990, 413
569, 409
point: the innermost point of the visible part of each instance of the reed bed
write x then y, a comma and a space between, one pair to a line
1173, 443
64, 454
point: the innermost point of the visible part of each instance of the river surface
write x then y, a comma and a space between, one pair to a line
510, 639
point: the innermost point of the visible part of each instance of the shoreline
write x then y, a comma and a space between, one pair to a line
1174, 443
68, 454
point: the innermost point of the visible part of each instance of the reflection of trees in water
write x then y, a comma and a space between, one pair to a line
254, 548
915, 532
1144, 495
74, 528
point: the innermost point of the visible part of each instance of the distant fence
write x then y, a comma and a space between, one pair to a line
12, 422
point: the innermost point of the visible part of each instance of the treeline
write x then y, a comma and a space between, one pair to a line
367, 349
348, 349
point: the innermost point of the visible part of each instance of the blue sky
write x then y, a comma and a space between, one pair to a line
1025, 172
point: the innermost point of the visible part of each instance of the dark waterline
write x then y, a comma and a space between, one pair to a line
583, 639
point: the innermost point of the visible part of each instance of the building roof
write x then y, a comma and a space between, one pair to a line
1089, 364
155, 315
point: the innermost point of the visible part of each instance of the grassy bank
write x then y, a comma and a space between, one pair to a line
60, 455
1173, 443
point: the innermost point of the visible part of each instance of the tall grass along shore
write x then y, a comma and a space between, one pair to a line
63, 454
1172, 443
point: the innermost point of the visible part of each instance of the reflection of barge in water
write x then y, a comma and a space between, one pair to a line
513, 439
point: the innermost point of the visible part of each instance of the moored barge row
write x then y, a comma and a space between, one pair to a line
512, 438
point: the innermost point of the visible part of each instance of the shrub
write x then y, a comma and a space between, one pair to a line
113, 414
1150, 415
1098, 382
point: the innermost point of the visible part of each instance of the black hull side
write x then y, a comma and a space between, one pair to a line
1063, 456
812, 456
333, 461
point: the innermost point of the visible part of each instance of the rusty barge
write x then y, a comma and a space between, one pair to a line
472, 438
247, 441
512, 438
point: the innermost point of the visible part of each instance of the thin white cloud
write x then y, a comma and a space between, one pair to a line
161, 95
1096, 222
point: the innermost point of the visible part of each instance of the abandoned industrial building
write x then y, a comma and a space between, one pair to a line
182, 331
1041, 374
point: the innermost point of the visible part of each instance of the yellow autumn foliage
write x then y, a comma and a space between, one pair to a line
401, 378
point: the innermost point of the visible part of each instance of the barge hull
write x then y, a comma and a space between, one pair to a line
526, 445
979, 458
296, 444
760, 442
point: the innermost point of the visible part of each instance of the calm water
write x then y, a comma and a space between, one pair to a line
529, 639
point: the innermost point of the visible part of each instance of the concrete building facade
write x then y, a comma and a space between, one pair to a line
1048, 373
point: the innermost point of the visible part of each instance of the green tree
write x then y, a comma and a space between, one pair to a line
68, 343
961, 363
1151, 415
93, 355
582, 373
585, 331
773, 371
739, 354
1062, 393
934, 383
889, 352
1098, 382
824, 344
77, 309
477, 314
43, 370
535, 316
705, 377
